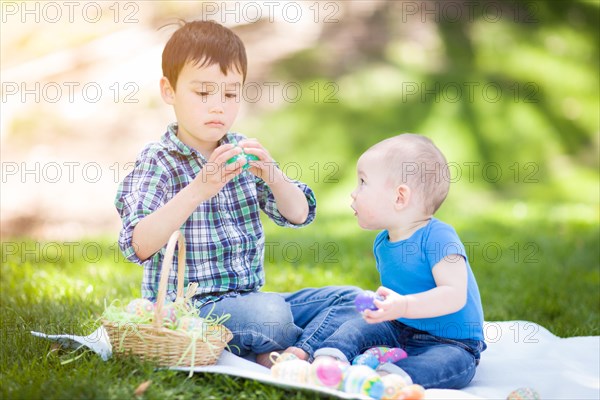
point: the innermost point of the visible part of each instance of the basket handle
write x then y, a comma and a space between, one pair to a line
176, 239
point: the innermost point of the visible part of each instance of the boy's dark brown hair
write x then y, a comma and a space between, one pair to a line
203, 43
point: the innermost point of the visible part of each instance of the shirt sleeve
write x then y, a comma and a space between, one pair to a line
141, 193
267, 203
442, 242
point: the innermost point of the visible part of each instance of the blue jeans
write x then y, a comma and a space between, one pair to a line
320, 312
262, 322
432, 362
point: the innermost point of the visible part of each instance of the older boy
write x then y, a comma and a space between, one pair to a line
184, 182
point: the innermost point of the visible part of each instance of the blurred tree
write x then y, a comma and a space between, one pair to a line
509, 84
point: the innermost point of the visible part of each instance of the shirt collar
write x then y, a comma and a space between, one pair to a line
172, 142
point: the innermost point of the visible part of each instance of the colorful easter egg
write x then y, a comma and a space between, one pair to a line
141, 308
296, 371
276, 357
360, 379
413, 392
392, 355
377, 351
523, 393
326, 372
364, 300
393, 385
368, 359
191, 324
375, 356
243, 157
169, 315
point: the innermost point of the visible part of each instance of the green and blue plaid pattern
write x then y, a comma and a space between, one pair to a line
224, 235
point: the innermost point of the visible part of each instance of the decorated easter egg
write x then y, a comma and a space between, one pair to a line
276, 357
140, 308
393, 385
523, 393
326, 372
296, 371
377, 351
387, 354
364, 300
360, 379
169, 315
191, 324
392, 355
413, 392
243, 157
368, 359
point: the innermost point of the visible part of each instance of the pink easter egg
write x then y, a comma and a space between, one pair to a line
327, 372
393, 355
140, 307
169, 315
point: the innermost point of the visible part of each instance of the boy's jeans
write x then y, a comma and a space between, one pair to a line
433, 362
262, 322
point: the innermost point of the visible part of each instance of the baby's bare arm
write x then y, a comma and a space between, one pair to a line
449, 295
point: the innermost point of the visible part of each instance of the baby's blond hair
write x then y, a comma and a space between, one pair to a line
415, 161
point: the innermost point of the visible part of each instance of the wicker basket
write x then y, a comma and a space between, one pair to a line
168, 347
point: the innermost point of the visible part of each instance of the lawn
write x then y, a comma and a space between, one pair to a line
540, 270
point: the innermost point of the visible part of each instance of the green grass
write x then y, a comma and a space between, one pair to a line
536, 270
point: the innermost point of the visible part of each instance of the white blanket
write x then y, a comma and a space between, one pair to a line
519, 354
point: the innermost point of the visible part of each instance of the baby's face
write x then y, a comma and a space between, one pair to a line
206, 103
373, 198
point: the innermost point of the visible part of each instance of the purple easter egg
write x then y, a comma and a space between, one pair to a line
364, 300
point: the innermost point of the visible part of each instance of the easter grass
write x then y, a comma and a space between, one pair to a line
546, 273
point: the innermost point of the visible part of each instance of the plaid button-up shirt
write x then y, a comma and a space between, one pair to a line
224, 235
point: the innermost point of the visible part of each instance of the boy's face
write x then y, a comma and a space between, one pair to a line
373, 198
206, 103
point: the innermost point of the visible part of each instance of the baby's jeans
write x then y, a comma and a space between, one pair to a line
262, 322
433, 362
320, 312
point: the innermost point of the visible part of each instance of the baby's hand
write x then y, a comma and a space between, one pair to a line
392, 307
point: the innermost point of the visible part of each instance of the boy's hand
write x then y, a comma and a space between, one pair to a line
216, 172
392, 307
265, 168
290, 199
